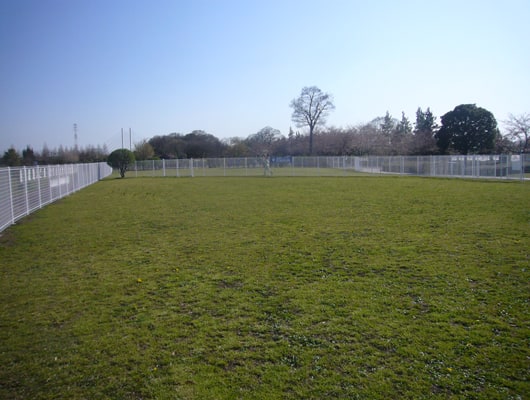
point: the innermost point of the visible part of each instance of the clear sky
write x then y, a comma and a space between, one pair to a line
232, 67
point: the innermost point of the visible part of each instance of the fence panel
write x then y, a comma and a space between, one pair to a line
470, 166
24, 190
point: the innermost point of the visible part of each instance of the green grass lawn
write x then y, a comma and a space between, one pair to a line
243, 172
282, 288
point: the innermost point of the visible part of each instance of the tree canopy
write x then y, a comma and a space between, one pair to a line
143, 150
197, 144
11, 158
425, 128
518, 129
467, 129
263, 141
121, 159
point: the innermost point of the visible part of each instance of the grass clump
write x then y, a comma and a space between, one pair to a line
260, 288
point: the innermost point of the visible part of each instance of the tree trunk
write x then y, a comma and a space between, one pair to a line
311, 139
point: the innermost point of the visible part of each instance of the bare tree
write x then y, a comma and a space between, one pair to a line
311, 109
334, 141
236, 147
518, 128
143, 150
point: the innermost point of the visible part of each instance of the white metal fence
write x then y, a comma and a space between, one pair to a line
26, 189
473, 166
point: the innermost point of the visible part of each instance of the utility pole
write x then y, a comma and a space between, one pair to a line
130, 140
75, 138
122, 138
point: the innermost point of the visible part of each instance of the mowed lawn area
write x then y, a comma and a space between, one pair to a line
270, 288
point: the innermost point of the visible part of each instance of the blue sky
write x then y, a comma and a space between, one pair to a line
232, 67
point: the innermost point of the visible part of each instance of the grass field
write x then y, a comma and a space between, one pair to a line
244, 172
282, 288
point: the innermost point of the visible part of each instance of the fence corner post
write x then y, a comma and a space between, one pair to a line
11, 195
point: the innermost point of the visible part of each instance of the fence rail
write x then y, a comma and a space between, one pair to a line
474, 166
26, 189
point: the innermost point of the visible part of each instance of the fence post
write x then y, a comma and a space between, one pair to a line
432, 166
77, 174
191, 168
11, 195
495, 166
26, 189
50, 182
67, 180
58, 172
91, 170
75, 168
521, 161
38, 183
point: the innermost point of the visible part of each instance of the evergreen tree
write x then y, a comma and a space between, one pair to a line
388, 125
403, 128
121, 159
467, 129
11, 158
28, 156
424, 131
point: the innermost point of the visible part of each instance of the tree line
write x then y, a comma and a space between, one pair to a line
60, 155
468, 129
